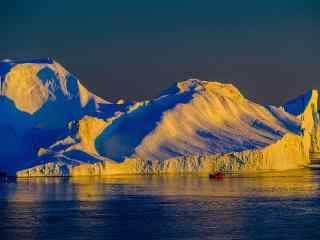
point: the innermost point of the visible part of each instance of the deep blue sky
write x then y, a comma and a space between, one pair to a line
135, 49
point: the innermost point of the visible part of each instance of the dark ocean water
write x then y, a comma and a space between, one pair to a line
266, 206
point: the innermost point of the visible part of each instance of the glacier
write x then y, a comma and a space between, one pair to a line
53, 126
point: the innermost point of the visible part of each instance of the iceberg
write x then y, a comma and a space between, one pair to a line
54, 126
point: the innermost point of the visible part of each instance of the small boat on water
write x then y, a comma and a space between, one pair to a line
217, 176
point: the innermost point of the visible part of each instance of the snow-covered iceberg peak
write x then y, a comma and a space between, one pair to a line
196, 85
195, 117
32, 83
305, 107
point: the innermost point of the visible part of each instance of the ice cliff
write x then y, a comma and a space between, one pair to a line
53, 126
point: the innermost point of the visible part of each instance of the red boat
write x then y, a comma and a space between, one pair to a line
217, 176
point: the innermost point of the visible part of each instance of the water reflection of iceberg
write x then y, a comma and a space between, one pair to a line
271, 184
170, 206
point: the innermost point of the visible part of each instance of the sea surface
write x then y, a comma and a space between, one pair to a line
283, 205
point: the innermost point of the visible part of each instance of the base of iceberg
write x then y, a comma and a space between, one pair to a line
291, 152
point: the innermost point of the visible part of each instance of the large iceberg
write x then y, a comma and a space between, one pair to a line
53, 126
